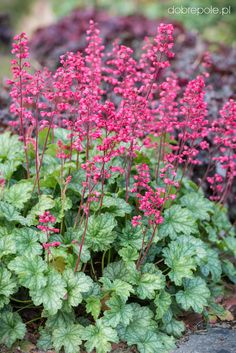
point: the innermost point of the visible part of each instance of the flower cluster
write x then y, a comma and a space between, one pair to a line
47, 220
113, 106
224, 132
53, 244
150, 201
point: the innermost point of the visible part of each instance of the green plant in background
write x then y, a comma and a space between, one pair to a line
212, 26
15, 8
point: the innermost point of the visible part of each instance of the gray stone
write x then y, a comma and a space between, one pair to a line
214, 340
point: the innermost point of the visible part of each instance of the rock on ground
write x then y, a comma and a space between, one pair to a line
214, 340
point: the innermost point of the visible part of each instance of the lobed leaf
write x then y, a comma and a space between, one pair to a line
11, 328
162, 302
195, 294
27, 241
179, 256
117, 206
117, 287
68, 337
51, 295
200, 207
118, 312
142, 321
8, 286
11, 214
99, 337
174, 327
177, 220
100, 234
30, 270
18, 194
76, 284
7, 245
93, 306
115, 270
131, 236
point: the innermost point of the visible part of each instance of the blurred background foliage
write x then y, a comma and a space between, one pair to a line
29, 14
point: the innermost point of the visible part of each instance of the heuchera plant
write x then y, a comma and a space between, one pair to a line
102, 233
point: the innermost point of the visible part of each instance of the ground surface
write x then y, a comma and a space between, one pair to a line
215, 340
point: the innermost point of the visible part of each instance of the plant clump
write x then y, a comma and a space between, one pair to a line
102, 233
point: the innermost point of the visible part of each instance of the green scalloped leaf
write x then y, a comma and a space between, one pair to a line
179, 257
44, 203
177, 220
99, 337
162, 302
62, 318
50, 295
30, 270
230, 244
11, 147
174, 327
85, 255
117, 287
128, 254
27, 241
146, 341
115, 270
100, 232
11, 328
198, 205
142, 321
68, 337
220, 219
167, 341
8, 168
11, 214
45, 340
8, 286
76, 284
148, 284
18, 194
211, 264
118, 312
230, 270
118, 207
195, 294
148, 281
93, 306
167, 317
7, 245
131, 236
60, 208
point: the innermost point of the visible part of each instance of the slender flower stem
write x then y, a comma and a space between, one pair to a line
139, 263
37, 139
22, 129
